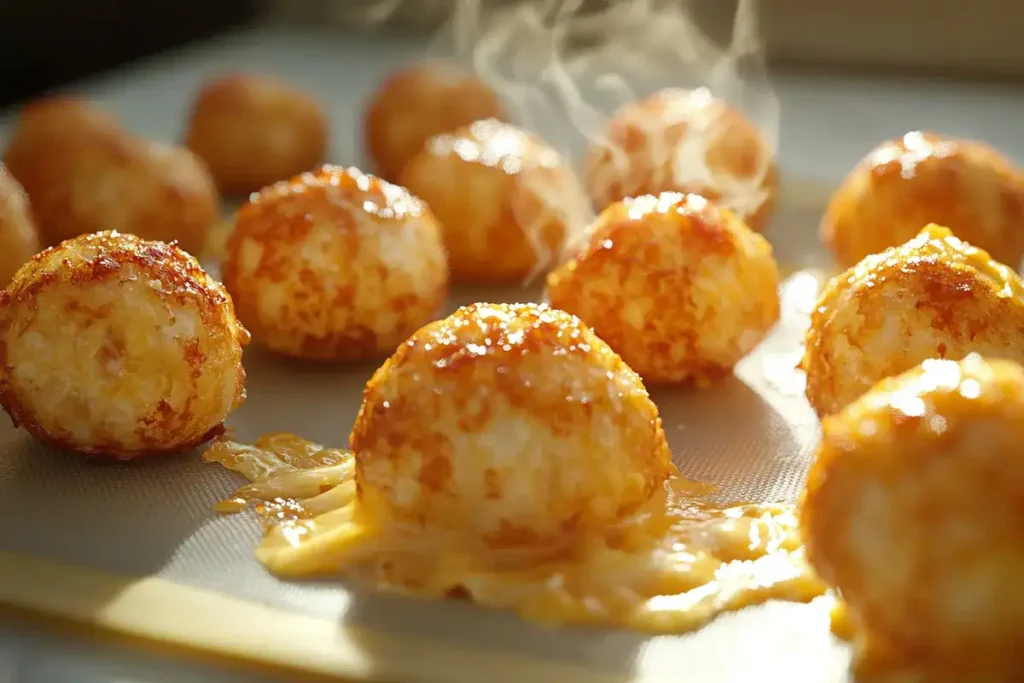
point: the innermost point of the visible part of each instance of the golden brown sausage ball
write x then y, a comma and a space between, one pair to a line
913, 512
255, 130
513, 425
678, 286
684, 141
19, 239
933, 297
921, 178
95, 176
418, 102
335, 265
116, 346
507, 202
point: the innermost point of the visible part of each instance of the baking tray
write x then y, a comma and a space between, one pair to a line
137, 550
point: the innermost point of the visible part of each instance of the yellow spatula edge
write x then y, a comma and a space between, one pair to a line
197, 621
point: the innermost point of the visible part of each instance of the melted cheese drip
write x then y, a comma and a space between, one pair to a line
670, 568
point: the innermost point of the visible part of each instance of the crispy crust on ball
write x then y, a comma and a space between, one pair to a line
473, 368
634, 156
678, 286
182, 283
923, 178
255, 130
19, 239
912, 510
506, 200
933, 297
418, 102
282, 220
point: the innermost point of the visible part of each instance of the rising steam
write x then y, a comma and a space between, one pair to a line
565, 67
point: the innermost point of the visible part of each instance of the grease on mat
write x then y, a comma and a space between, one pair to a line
669, 568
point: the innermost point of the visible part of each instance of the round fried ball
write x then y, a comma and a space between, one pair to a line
933, 297
510, 425
117, 346
912, 510
107, 179
684, 141
418, 102
682, 289
335, 265
507, 202
255, 130
921, 178
19, 239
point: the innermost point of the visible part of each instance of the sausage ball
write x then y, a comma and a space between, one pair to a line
418, 102
116, 346
335, 265
509, 425
507, 202
913, 512
681, 288
922, 178
107, 179
933, 297
254, 130
684, 141
19, 240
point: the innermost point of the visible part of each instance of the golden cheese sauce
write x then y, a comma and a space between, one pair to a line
671, 567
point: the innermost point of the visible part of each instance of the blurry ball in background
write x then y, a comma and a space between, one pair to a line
418, 102
120, 347
335, 265
680, 140
913, 512
19, 239
680, 288
255, 130
932, 297
84, 173
507, 201
921, 178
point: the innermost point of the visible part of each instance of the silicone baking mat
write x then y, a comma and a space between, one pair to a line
136, 548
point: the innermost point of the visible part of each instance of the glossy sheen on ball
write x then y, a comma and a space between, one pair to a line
913, 511
85, 174
513, 425
507, 202
19, 239
921, 178
679, 287
116, 346
684, 141
253, 131
418, 102
335, 265
933, 297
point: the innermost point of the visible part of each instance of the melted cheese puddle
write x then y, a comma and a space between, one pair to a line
670, 568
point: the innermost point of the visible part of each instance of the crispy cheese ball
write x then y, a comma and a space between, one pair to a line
684, 141
921, 178
933, 297
418, 102
19, 239
510, 425
109, 180
507, 202
678, 286
335, 265
116, 346
913, 512
255, 130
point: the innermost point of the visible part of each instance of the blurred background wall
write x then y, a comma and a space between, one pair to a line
44, 43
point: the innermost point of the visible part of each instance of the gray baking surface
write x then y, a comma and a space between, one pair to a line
755, 441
